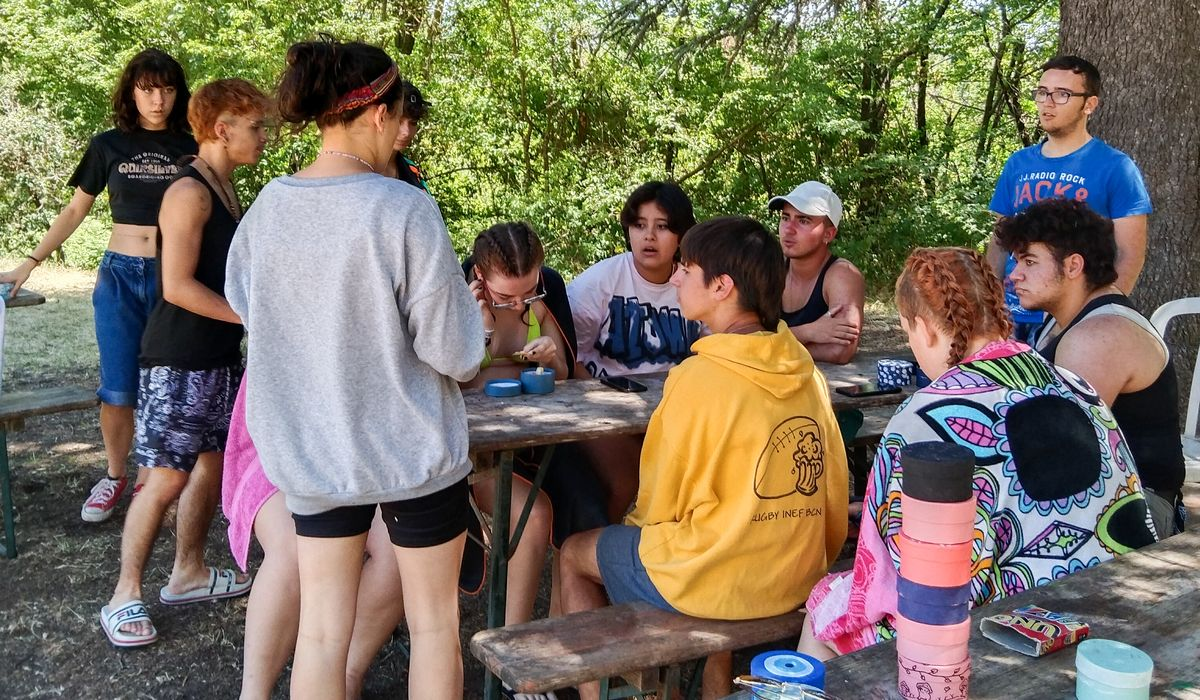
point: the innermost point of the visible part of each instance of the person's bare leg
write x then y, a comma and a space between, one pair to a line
430, 579
556, 608
582, 587
380, 607
142, 524
809, 644
116, 428
527, 562
197, 505
330, 569
616, 461
718, 670
273, 611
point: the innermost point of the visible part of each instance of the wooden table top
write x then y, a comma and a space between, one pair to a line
24, 297
582, 409
1149, 598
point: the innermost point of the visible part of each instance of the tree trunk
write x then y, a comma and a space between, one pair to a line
1150, 108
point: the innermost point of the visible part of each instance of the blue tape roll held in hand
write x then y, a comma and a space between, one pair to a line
789, 667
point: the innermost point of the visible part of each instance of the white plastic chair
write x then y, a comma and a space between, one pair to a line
1191, 426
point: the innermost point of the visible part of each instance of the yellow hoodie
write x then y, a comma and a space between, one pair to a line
743, 492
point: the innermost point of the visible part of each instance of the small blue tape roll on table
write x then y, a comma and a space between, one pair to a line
789, 667
500, 388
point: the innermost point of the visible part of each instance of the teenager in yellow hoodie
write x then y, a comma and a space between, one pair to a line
743, 487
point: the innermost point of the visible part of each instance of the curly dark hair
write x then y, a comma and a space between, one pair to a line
319, 72
1066, 227
151, 68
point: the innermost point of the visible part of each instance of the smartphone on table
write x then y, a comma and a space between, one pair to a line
622, 384
865, 389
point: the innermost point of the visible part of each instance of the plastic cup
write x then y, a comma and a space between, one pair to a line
537, 381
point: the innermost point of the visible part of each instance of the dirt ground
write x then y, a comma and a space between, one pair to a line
50, 641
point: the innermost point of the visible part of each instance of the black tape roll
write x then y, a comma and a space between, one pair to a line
937, 471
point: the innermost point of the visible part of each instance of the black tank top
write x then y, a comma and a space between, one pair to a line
816, 306
176, 337
1148, 418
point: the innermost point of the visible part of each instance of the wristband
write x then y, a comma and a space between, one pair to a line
39, 262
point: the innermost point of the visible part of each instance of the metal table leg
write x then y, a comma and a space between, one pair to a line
502, 546
9, 548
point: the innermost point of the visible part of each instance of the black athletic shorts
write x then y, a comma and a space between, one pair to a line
426, 521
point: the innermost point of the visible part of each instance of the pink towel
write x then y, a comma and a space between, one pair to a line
244, 485
844, 608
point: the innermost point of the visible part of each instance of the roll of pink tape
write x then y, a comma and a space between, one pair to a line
935, 564
919, 681
939, 635
931, 653
938, 523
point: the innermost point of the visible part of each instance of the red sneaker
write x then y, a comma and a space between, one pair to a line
103, 499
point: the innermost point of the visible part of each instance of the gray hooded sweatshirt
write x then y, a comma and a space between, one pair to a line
359, 327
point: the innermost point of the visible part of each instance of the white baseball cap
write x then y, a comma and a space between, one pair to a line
812, 198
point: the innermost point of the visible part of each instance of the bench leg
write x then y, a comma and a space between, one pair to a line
9, 548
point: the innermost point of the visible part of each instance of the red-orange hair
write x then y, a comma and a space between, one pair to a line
230, 95
955, 289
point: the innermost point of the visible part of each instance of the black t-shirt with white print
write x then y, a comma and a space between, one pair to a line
136, 167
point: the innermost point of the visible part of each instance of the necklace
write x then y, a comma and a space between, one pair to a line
227, 195
350, 156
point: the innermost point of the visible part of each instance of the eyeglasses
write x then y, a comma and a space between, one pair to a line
526, 303
1060, 97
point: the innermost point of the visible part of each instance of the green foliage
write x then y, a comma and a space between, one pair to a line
553, 111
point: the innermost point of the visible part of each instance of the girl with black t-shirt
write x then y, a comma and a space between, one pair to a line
413, 109
135, 162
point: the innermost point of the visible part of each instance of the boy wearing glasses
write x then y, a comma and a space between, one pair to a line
1071, 164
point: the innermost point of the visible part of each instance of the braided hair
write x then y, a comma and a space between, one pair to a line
955, 289
511, 249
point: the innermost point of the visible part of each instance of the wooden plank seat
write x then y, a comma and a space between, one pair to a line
637, 641
15, 407
861, 450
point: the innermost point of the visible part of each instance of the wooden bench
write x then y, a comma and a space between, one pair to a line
637, 641
867, 438
15, 407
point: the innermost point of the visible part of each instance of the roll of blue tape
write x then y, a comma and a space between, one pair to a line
789, 667
934, 595
500, 388
930, 614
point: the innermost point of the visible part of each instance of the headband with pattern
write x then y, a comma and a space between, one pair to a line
366, 94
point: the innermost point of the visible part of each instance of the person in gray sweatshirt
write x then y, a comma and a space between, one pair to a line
359, 326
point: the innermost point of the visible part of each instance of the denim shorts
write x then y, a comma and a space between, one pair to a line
126, 292
625, 579
182, 414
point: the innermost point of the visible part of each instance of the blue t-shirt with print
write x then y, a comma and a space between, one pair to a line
1096, 173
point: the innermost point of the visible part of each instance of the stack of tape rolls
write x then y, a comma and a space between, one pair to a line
894, 373
789, 667
934, 589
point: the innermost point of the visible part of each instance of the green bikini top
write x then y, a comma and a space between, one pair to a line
535, 332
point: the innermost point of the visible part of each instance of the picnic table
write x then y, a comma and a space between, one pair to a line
580, 409
24, 297
1149, 598
15, 407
